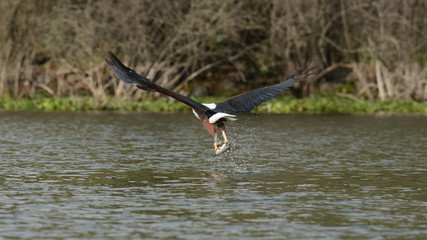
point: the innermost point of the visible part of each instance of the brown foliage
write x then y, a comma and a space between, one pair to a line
58, 46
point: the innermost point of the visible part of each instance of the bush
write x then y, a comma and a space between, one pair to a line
57, 47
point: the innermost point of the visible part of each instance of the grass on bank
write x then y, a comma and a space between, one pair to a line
319, 104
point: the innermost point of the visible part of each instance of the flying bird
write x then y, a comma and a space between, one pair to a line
212, 115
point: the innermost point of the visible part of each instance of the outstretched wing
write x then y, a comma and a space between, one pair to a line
247, 101
128, 75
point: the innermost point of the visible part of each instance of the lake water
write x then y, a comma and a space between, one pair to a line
71, 175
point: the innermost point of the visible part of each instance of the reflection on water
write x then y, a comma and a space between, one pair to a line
112, 176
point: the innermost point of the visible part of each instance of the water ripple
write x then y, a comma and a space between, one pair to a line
114, 176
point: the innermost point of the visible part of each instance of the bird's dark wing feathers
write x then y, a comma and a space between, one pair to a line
124, 73
128, 75
242, 103
247, 101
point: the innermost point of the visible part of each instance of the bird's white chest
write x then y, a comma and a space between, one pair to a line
216, 116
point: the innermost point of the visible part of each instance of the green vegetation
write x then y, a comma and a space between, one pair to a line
333, 103
330, 103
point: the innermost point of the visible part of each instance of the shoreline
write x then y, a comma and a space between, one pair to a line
318, 104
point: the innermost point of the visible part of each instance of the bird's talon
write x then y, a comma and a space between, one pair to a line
217, 145
224, 147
